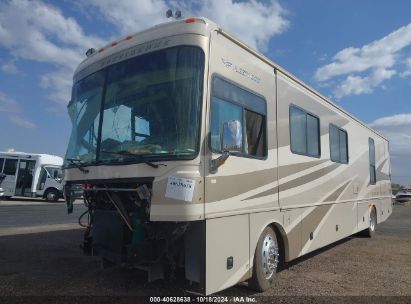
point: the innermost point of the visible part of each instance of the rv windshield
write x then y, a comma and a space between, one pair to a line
151, 108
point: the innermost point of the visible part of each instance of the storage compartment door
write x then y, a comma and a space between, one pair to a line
227, 252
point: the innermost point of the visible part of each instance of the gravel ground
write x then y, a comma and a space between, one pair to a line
51, 264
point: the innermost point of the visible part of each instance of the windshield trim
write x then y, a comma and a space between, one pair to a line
131, 161
149, 157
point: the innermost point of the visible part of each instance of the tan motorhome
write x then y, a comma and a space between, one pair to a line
196, 151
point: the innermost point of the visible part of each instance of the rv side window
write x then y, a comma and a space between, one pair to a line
338, 145
10, 166
254, 127
230, 102
304, 132
371, 147
1, 164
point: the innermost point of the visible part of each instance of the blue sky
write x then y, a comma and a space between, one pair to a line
358, 53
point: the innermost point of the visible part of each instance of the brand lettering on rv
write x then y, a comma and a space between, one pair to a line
240, 70
123, 55
138, 50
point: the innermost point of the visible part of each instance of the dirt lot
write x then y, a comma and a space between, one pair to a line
51, 263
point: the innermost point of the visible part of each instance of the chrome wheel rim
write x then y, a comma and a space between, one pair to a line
269, 255
372, 220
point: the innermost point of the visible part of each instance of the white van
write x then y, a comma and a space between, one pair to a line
31, 175
2, 177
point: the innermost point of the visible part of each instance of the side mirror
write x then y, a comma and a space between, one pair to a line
231, 136
231, 139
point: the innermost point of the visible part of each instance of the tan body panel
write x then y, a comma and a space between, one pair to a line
232, 189
312, 196
232, 241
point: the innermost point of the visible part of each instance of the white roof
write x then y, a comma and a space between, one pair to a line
46, 158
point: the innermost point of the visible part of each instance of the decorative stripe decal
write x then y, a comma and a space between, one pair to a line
297, 182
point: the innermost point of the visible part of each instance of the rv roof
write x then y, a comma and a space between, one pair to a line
202, 26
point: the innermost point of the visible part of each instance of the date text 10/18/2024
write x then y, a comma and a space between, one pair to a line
202, 299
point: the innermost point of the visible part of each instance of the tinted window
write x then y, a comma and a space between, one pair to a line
371, 147
298, 130
231, 102
343, 147
338, 145
255, 131
313, 138
1, 164
304, 132
10, 166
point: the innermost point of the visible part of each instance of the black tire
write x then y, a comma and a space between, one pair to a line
51, 195
370, 231
262, 277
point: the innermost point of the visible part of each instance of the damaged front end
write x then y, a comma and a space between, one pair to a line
119, 229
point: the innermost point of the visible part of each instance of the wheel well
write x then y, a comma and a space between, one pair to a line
376, 213
282, 241
48, 190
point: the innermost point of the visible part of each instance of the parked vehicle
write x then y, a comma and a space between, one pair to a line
404, 195
31, 175
196, 151
2, 177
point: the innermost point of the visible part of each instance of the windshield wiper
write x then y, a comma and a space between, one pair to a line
74, 162
137, 157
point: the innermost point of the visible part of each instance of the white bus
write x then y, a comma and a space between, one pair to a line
198, 152
31, 175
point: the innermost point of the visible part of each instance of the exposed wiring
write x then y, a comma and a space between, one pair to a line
80, 217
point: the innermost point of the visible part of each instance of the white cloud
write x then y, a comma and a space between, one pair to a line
33, 30
407, 71
252, 21
59, 82
11, 108
21, 122
9, 67
361, 70
37, 31
129, 15
8, 105
397, 128
355, 85
394, 120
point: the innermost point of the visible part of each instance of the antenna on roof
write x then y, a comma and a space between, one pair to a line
177, 14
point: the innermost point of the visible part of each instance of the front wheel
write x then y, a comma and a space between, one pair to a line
265, 261
52, 195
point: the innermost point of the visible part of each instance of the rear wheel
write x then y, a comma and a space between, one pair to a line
52, 195
373, 223
265, 261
